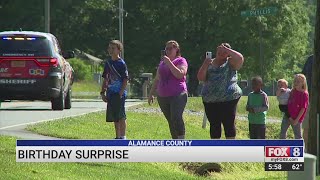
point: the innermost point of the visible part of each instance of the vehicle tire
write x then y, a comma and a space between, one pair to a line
67, 102
58, 103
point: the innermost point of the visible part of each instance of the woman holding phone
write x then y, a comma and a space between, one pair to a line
220, 92
170, 84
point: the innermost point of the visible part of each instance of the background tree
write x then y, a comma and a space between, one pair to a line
197, 26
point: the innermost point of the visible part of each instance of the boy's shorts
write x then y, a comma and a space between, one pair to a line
115, 108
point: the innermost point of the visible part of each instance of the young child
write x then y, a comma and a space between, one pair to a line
113, 90
297, 106
257, 105
283, 94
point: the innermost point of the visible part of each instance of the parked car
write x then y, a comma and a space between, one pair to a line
33, 67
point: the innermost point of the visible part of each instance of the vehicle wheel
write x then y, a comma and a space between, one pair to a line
67, 103
58, 103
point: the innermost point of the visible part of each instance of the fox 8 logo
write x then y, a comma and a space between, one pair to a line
284, 151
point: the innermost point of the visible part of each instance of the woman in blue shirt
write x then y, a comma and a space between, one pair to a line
220, 92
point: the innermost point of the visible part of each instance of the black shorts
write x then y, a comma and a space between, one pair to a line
115, 108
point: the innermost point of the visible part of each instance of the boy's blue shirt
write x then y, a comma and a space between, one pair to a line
115, 79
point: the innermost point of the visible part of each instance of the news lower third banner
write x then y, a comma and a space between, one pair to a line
159, 151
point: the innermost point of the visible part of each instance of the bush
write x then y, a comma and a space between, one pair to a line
82, 70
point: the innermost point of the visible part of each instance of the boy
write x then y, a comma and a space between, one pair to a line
283, 94
113, 90
257, 105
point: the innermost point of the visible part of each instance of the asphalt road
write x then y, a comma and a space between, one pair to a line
16, 115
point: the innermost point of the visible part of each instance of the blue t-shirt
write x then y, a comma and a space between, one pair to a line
116, 71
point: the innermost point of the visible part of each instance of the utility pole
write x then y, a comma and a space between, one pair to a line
260, 48
260, 12
314, 125
47, 16
121, 25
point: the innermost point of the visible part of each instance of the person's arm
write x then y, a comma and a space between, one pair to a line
153, 87
296, 120
202, 73
178, 71
278, 92
124, 77
104, 87
105, 79
248, 104
302, 110
236, 58
265, 104
123, 87
154, 84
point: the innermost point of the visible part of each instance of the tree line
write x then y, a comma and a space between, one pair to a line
286, 37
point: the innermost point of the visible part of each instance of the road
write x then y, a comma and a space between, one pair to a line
16, 115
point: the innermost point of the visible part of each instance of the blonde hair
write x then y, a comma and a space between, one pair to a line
304, 81
283, 81
176, 45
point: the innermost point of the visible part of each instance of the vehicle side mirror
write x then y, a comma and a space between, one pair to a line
68, 54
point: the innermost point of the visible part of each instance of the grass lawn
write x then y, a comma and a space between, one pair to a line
86, 86
195, 104
140, 126
86, 89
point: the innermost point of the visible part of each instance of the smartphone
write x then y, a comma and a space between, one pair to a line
208, 55
163, 53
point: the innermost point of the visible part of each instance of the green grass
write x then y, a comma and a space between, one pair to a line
86, 89
93, 126
195, 104
140, 126
86, 86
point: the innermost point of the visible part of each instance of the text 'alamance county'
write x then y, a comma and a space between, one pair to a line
160, 143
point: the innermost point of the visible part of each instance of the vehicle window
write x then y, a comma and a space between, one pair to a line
56, 45
25, 46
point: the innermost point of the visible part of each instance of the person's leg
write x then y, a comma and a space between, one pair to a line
297, 130
122, 119
212, 112
164, 104
177, 106
228, 120
261, 131
284, 127
122, 128
251, 131
117, 129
